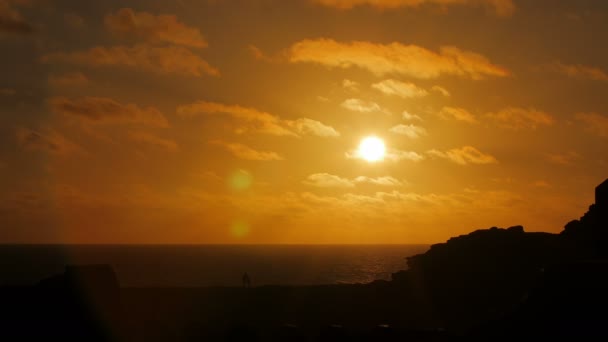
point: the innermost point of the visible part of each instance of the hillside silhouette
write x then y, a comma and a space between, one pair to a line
491, 284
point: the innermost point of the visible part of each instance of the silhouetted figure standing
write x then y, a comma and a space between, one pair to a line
246, 280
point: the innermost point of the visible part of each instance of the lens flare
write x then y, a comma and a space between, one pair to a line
240, 229
240, 180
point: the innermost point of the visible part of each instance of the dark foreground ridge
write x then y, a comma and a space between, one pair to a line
492, 284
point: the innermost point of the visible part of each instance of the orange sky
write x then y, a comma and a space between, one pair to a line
237, 121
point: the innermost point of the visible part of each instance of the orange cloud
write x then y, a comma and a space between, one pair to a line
245, 152
101, 110
459, 114
326, 180
68, 79
162, 60
564, 158
441, 90
253, 120
578, 71
384, 181
465, 155
153, 140
358, 105
392, 155
47, 140
154, 28
521, 118
305, 126
395, 58
594, 122
503, 8
410, 117
11, 20
411, 131
401, 89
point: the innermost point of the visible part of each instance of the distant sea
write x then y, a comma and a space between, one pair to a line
210, 265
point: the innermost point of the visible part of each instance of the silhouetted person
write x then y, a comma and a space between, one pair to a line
246, 280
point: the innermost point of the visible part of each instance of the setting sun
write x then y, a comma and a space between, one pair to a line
372, 149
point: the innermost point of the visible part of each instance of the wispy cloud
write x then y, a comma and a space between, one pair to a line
410, 131
245, 152
577, 71
402, 89
441, 90
158, 59
594, 122
11, 20
358, 105
71, 79
101, 110
47, 140
153, 140
395, 58
326, 180
154, 28
503, 8
521, 118
253, 120
464, 155
459, 114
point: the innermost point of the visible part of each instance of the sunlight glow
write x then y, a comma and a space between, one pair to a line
372, 149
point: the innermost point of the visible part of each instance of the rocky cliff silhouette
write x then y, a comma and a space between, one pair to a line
478, 277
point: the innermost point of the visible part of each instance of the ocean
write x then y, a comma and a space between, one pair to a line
210, 265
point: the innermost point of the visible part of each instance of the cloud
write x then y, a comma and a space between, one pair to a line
245, 152
325, 180
411, 131
564, 158
253, 120
161, 60
503, 8
441, 90
410, 117
154, 28
521, 118
594, 122
401, 89
71, 79
47, 140
101, 110
460, 114
153, 140
304, 126
541, 184
393, 155
350, 85
384, 181
398, 155
358, 105
11, 20
464, 155
250, 119
394, 58
577, 71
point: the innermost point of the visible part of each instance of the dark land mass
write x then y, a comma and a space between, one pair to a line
492, 284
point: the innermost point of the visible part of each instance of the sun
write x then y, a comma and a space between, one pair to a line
372, 149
